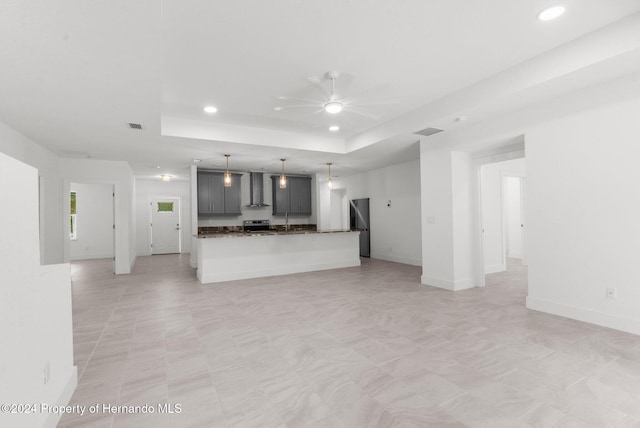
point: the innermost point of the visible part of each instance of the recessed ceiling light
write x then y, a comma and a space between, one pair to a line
158, 166
210, 109
334, 128
277, 108
333, 107
197, 160
551, 12
166, 177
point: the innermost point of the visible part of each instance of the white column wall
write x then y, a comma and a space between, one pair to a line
464, 239
437, 216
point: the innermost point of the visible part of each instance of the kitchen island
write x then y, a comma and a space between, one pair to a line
241, 255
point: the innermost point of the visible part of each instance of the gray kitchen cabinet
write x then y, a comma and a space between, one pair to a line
280, 197
214, 198
295, 200
232, 196
300, 196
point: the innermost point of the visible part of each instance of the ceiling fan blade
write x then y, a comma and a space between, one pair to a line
343, 82
384, 91
318, 84
373, 103
306, 100
360, 112
306, 116
297, 106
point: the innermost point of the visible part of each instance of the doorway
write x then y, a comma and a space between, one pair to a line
502, 215
165, 225
91, 221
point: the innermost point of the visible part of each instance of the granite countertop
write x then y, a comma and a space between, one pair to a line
240, 233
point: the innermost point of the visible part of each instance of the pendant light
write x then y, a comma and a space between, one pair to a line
329, 181
227, 175
283, 178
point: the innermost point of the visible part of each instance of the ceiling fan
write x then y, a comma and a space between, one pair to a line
331, 102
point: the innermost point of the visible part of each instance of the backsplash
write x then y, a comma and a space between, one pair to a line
277, 227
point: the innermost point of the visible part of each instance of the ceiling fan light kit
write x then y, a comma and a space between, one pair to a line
333, 107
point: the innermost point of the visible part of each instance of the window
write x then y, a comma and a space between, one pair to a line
73, 227
165, 207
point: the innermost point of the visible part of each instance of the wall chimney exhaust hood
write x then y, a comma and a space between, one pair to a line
256, 190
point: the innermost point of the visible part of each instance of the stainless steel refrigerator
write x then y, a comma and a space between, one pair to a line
359, 220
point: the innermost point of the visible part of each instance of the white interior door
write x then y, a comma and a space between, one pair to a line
513, 224
523, 225
165, 225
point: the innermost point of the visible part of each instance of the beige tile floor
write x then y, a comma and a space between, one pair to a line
355, 347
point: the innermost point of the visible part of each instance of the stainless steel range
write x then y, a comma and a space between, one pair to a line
256, 225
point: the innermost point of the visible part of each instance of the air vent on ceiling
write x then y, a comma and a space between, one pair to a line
428, 131
135, 125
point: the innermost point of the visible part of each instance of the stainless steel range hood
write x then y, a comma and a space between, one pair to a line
256, 190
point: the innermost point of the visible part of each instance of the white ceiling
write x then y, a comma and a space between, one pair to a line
75, 72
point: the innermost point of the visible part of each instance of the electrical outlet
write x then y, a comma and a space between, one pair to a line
611, 293
47, 372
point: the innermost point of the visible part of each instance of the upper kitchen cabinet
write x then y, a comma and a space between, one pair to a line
214, 198
295, 199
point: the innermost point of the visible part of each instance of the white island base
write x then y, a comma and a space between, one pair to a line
241, 257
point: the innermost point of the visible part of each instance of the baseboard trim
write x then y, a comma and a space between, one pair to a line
133, 262
91, 257
586, 315
64, 399
461, 284
397, 259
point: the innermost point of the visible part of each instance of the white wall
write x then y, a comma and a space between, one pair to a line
20, 147
118, 174
94, 222
582, 212
145, 189
35, 307
338, 213
395, 229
